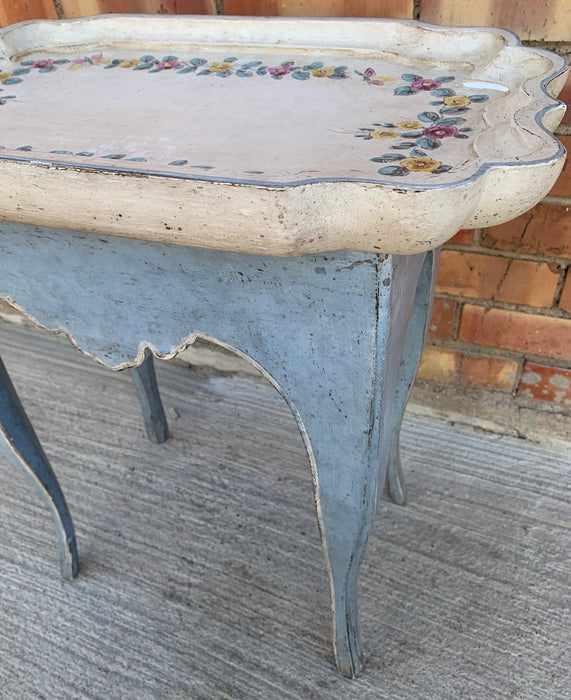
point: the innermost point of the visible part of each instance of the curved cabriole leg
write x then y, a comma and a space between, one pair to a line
329, 329
20, 445
415, 338
339, 377
145, 380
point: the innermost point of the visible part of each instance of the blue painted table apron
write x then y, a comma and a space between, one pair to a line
330, 331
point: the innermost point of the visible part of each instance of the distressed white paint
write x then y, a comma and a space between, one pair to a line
286, 174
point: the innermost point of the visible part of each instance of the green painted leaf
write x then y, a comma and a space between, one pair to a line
429, 117
411, 77
386, 158
396, 170
442, 92
430, 144
451, 121
453, 110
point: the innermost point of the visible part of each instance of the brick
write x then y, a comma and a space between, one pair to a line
565, 299
530, 283
540, 20
565, 96
439, 365
442, 319
81, 8
470, 274
562, 188
21, 10
546, 383
546, 229
513, 330
402, 9
463, 237
499, 279
488, 372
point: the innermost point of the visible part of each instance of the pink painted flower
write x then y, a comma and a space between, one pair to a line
425, 84
439, 132
369, 73
99, 58
284, 69
167, 65
43, 63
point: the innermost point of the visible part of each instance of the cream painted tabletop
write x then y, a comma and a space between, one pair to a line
274, 136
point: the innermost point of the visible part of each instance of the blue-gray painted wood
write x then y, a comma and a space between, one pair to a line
327, 330
395, 485
20, 445
145, 381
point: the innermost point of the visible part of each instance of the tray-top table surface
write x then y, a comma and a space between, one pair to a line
274, 136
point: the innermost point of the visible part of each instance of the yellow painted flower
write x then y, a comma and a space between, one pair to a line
383, 134
220, 67
408, 125
384, 78
4, 75
457, 101
129, 63
420, 165
323, 72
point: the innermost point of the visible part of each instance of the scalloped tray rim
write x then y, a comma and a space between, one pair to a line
512, 40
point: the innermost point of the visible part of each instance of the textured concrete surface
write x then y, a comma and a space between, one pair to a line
202, 575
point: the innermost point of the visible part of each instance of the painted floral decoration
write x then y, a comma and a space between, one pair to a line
370, 76
5, 98
200, 66
426, 132
449, 100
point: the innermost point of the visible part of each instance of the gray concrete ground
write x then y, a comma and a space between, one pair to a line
202, 574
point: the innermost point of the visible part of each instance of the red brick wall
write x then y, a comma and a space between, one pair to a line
502, 313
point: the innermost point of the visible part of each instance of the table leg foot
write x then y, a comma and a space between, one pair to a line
349, 657
395, 487
145, 380
20, 445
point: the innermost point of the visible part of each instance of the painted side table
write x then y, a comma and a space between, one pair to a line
279, 186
